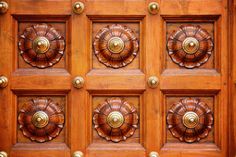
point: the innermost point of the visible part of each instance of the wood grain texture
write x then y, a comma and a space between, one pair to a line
134, 61
30, 47
115, 119
99, 101
209, 82
190, 46
27, 57
177, 60
232, 78
44, 126
193, 128
126, 42
211, 139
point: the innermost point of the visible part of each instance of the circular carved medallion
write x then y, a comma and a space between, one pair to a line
115, 119
41, 119
41, 45
115, 46
190, 46
190, 120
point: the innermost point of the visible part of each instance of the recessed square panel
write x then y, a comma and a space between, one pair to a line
41, 45
116, 119
41, 119
190, 119
116, 45
190, 45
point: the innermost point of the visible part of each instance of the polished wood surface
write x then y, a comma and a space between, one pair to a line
203, 81
232, 76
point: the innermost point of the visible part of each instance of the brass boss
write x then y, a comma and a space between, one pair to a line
116, 45
40, 119
115, 119
190, 45
41, 45
190, 119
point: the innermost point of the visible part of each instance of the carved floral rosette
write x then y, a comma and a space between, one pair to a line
190, 46
190, 120
115, 46
41, 45
41, 119
115, 119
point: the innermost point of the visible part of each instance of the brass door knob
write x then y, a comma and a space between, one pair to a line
78, 7
3, 81
78, 154
153, 154
3, 7
153, 82
153, 8
3, 154
78, 82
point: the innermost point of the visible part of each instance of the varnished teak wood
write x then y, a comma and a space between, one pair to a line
213, 82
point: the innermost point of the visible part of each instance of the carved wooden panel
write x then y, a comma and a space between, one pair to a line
116, 45
41, 45
190, 120
190, 46
40, 119
116, 119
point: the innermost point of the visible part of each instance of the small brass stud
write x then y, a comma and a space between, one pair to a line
3, 7
153, 82
3, 154
3, 81
153, 154
78, 82
78, 154
153, 8
78, 7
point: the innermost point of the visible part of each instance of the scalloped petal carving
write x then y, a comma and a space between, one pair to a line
115, 46
189, 120
115, 119
190, 46
41, 119
52, 45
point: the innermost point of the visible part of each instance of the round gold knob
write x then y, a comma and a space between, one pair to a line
41, 45
115, 119
3, 81
153, 154
153, 82
3, 154
78, 7
3, 7
78, 154
116, 45
78, 82
190, 45
153, 8
190, 119
40, 119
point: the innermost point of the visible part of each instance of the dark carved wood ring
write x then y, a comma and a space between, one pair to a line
41, 46
190, 120
115, 119
41, 119
115, 46
190, 46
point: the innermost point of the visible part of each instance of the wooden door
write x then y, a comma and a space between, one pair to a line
109, 78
